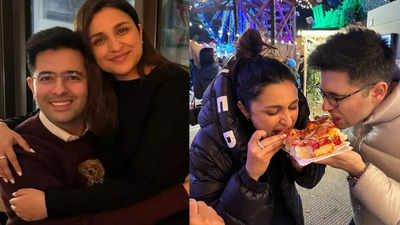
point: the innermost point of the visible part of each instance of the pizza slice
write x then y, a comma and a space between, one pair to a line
321, 137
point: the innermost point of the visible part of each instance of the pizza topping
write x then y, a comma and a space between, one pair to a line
320, 137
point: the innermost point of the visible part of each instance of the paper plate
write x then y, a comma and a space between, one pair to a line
344, 147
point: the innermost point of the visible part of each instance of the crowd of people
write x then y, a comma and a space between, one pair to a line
109, 141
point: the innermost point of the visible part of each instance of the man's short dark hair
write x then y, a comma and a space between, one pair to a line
53, 38
360, 52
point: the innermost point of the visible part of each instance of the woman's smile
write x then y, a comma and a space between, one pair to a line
120, 58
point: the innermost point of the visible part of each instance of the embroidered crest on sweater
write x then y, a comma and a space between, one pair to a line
93, 171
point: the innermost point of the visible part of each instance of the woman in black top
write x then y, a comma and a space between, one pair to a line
148, 151
236, 165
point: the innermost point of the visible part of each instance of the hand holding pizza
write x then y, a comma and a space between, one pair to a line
349, 161
260, 151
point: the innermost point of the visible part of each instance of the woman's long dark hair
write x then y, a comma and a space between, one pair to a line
102, 108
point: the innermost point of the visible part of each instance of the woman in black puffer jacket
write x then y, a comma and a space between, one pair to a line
236, 164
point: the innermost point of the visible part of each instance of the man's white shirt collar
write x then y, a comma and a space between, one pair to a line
57, 131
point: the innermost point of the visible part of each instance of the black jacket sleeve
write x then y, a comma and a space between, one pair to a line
162, 160
310, 176
253, 200
235, 196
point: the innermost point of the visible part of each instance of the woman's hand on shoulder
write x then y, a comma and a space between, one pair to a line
9, 138
260, 151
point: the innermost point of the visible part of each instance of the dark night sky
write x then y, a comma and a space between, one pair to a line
301, 23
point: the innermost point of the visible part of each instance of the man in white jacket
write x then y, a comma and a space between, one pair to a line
358, 89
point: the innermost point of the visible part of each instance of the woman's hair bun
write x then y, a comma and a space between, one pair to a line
250, 44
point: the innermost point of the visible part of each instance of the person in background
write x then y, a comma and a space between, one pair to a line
148, 151
205, 73
358, 89
236, 165
300, 71
292, 65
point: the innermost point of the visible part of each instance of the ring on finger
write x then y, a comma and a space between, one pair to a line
260, 145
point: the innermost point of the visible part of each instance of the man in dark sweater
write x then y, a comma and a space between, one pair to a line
58, 132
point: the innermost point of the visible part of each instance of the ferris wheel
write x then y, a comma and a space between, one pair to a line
224, 20
216, 17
